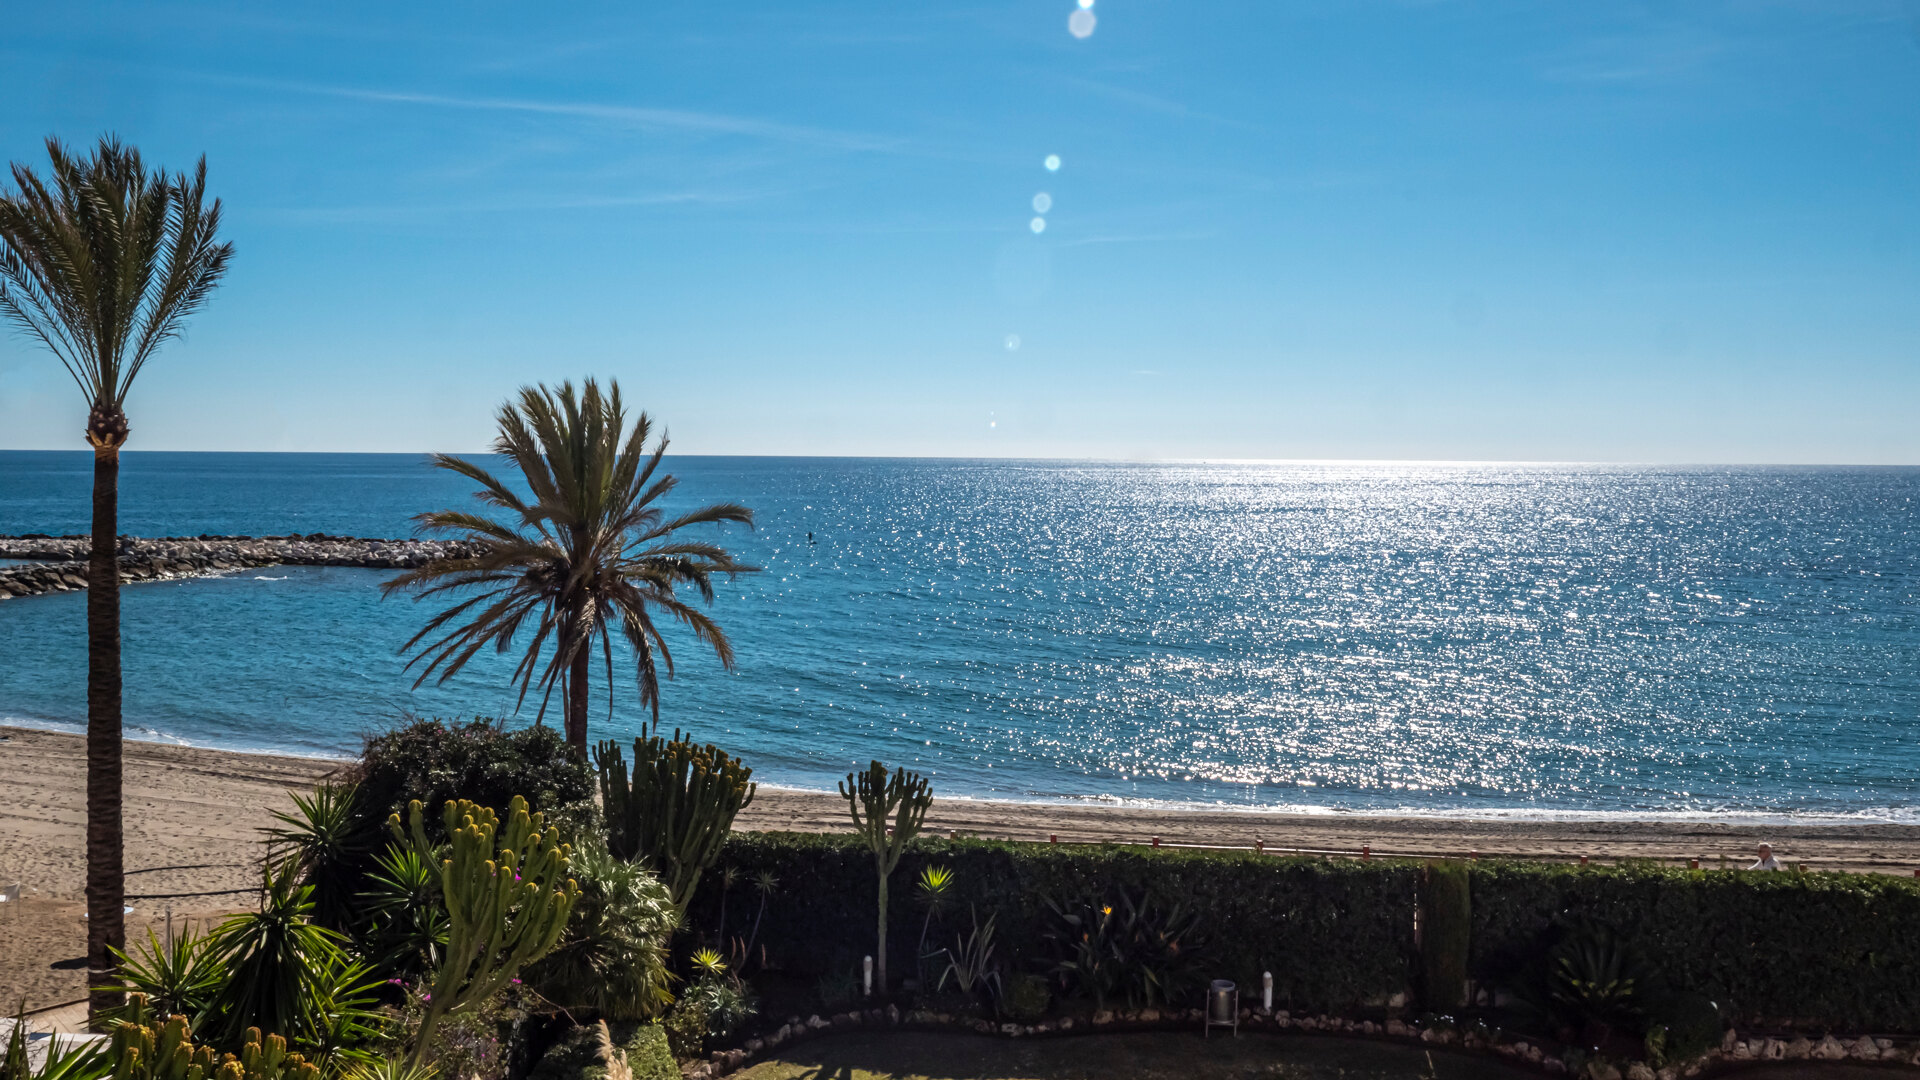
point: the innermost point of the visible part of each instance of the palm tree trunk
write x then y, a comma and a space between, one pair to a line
106, 886
577, 701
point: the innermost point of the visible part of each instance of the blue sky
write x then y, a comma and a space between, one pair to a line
1634, 232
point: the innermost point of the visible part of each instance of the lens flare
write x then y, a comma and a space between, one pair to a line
1013, 342
1052, 163
1081, 23
1038, 225
1042, 203
1086, 4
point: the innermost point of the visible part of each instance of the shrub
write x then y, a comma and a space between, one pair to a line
1126, 944
481, 761
1026, 998
613, 958
648, 1055
711, 1009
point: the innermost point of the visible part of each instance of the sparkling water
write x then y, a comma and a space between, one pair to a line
1480, 639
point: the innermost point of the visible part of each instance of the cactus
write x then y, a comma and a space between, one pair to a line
506, 901
141, 1051
676, 810
895, 808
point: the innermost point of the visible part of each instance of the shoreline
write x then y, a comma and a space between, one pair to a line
193, 817
1491, 816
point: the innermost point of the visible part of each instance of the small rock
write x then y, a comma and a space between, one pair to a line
1103, 1018
1554, 1065
816, 1023
1066, 1023
1864, 1049
1639, 1071
1830, 1049
1398, 1028
1397, 1001
1773, 1050
1010, 1030
1728, 1038
1149, 1016
1800, 1049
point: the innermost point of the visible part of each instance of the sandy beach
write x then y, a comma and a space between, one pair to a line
193, 819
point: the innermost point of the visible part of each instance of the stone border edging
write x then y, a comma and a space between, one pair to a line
1733, 1049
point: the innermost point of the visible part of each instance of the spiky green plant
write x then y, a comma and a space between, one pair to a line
271, 958
406, 921
590, 556
179, 977
507, 894
613, 959
887, 812
676, 809
103, 263
327, 839
764, 883
63, 1061
934, 885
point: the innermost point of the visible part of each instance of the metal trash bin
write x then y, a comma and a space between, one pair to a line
1223, 1006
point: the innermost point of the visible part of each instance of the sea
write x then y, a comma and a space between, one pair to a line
1484, 640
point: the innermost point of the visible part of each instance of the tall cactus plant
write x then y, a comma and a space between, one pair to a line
887, 812
676, 808
507, 895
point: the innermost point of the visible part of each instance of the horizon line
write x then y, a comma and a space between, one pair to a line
1093, 460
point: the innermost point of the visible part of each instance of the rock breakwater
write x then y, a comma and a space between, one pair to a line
59, 563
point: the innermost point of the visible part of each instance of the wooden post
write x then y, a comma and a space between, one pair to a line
1693, 864
1583, 860
1260, 848
1366, 852
1053, 838
1156, 841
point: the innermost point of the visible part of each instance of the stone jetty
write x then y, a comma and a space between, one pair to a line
60, 562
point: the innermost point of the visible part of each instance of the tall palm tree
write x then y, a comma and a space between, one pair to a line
591, 554
103, 263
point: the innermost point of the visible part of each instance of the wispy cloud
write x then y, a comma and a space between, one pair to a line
1136, 238
1144, 101
632, 116
405, 212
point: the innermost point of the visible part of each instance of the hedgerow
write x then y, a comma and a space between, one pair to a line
1806, 950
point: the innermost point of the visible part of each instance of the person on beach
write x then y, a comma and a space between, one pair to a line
1767, 861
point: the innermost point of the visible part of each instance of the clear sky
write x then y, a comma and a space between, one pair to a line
1635, 232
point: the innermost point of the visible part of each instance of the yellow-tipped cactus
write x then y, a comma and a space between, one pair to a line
141, 1051
507, 895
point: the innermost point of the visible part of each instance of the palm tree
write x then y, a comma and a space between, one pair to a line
592, 553
103, 263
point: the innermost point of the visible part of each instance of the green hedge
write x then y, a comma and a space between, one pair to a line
1332, 933
1806, 950
1800, 950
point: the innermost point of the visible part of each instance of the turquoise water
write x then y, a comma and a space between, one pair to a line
1488, 639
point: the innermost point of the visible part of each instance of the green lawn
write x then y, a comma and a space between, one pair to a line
1151, 1056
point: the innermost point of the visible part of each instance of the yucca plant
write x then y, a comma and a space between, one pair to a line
64, 1060
326, 840
179, 977
102, 262
406, 918
764, 883
590, 557
933, 886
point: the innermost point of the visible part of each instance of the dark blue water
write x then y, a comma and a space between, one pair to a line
1442, 639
